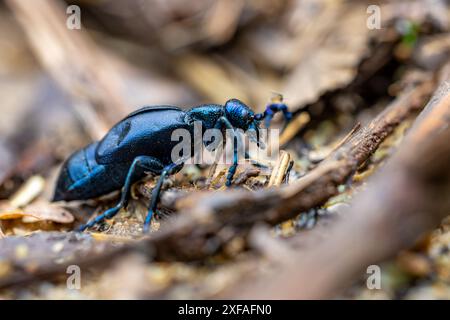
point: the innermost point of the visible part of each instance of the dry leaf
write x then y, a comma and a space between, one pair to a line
14, 214
36, 212
47, 211
327, 53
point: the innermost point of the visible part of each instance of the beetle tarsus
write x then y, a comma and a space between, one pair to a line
108, 214
148, 220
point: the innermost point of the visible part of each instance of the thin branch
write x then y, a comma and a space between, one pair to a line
408, 197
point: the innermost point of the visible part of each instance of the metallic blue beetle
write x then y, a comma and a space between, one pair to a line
142, 143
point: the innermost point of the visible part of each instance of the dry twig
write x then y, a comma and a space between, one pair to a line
409, 196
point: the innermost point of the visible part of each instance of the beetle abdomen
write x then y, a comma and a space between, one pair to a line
81, 177
147, 132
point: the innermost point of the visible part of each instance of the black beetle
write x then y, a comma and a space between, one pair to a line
142, 143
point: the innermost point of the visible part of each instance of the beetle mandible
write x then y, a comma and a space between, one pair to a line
141, 143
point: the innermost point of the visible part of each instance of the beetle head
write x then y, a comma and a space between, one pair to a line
242, 117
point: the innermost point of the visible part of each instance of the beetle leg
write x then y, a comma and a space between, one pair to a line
232, 169
141, 162
223, 121
286, 114
111, 212
268, 117
168, 170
